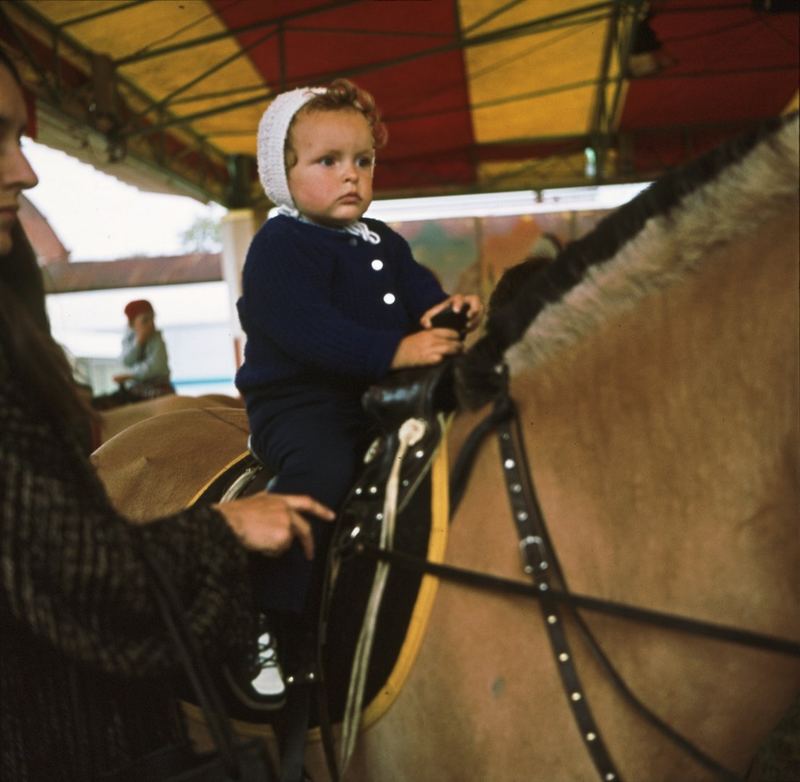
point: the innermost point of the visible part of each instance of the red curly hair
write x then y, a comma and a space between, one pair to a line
341, 94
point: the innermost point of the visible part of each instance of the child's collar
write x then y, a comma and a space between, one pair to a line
358, 228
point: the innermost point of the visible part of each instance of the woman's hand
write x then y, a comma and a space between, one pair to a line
268, 523
458, 302
426, 347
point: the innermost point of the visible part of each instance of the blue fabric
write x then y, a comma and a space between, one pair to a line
313, 305
319, 331
315, 449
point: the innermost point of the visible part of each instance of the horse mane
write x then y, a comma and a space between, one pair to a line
646, 245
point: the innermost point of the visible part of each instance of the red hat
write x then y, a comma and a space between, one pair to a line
137, 307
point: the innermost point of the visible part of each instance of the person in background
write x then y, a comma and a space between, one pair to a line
86, 681
331, 303
144, 354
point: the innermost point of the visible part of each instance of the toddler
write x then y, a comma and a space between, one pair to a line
331, 303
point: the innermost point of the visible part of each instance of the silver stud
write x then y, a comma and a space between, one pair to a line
419, 454
610, 777
563, 657
505, 436
543, 566
552, 619
406, 481
528, 569
509, 464
576, 696
389, 298
590, 736
516, 488
372, 451
379, 516
377, 264
543, 587
359, 490
522, 516
373, 489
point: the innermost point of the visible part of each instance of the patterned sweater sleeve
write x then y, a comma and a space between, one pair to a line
71, 565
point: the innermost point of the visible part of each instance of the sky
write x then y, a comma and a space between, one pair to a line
100, 218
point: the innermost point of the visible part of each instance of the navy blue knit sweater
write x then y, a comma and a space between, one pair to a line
323, 308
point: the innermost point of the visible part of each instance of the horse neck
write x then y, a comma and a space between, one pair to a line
664, 444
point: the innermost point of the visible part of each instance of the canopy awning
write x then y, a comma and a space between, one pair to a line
478, 95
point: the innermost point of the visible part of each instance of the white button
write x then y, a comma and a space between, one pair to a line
377, 264
388, 298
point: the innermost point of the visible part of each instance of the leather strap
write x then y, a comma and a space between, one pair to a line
292, 728
539, 562
487, 581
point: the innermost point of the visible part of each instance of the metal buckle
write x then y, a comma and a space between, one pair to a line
527, 564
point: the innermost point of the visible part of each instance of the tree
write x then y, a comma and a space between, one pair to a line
203, 235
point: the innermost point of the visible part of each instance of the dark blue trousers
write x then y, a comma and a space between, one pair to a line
313, 449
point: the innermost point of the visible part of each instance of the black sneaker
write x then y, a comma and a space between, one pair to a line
262, 687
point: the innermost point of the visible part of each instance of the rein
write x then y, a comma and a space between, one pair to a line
549, 587
487, 581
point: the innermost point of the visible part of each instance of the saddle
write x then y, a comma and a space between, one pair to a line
424, 396
368, 609
411, 408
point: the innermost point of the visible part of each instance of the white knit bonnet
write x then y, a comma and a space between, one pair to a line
272, 131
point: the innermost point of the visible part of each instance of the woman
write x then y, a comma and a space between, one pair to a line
86, 662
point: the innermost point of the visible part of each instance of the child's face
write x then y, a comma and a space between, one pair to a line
331, 182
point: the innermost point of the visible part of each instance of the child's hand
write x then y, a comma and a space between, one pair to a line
470, 303
426, 347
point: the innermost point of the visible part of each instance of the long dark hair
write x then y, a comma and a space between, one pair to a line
34, 357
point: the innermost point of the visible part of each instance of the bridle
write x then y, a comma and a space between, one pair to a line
549, 587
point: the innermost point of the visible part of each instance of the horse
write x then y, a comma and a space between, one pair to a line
653, 367
116, 419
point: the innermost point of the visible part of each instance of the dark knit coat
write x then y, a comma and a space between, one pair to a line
322, 308
86, 667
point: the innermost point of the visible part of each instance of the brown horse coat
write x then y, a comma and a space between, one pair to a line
658, 397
